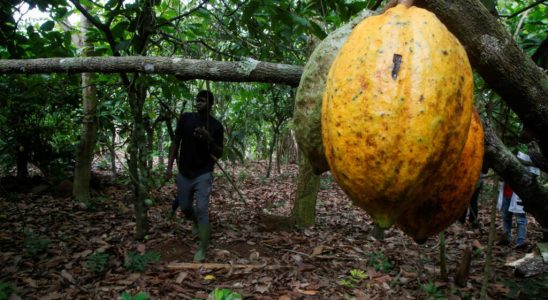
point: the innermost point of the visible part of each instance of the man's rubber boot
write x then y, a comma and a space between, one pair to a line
195, 228
204, 232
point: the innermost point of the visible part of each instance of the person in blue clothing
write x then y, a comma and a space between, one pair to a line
198, 141
507, 216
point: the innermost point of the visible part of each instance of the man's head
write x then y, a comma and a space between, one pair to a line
204, 101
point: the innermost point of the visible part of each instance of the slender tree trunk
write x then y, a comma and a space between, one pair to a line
150, 143
88, 136
271, 153
161, 162
22, 162
304, 207
112, 150
488, 260
138, 159
443, 258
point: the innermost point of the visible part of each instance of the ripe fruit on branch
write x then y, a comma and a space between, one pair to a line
396, 110
451, 195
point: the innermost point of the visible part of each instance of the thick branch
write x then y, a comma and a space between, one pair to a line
185, 69
499, 60
525, 184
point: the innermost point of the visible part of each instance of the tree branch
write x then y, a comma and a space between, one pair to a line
188, 13
185, 69
106, 30
499, 60
533, 194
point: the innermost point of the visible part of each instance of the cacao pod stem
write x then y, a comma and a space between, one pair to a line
393, 3
378, 232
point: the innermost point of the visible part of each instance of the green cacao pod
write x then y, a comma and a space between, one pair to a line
308, 101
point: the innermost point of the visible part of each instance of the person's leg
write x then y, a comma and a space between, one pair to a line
202, 185
185, 195
174, 205
521, 221
506, 218
473, 218
203, 190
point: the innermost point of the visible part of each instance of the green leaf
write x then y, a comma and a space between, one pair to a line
60, 12
122, 45
118, 30
47, 26
317, 30
249, 10
299, 20
141, 296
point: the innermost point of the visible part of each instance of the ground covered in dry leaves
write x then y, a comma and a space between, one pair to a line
54, 248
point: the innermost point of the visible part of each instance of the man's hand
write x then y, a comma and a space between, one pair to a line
201, 133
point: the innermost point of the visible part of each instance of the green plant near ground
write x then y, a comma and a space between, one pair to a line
139, 296
138, 262
527, 288
5, 290
325, 182
93, 203
355, 277
432, 291
223, 294
97, 262
35, 244
243, 175
378, 261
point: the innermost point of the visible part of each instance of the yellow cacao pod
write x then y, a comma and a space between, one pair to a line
451, 197
396, 110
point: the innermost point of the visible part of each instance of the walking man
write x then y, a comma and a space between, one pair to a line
199, 142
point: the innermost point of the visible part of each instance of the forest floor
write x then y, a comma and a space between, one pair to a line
54, 248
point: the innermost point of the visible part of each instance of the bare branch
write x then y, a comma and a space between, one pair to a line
185, 69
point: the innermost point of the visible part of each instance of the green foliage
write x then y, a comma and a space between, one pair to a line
138, 296
432, 291
243, 175
354, 279
93, 203
5, 290
35, 244
528, 288
223, 294
138, 262
97, 262
37, 122
378, 261
325, 182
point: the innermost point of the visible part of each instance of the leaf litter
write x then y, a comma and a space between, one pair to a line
47, 243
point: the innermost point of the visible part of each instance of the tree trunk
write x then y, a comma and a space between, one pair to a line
499, 60
88, 135
112, 150
533, 194
161, 162
304, 207
137, 164
185, 69
271, 153
150, 142
22, 158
